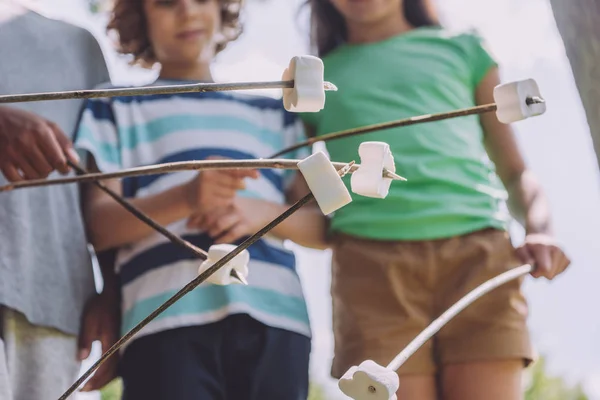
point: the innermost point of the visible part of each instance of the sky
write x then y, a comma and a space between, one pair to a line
522, 35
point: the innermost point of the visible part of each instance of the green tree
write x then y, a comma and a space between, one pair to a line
541, 386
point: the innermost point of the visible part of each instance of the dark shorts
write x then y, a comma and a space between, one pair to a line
237, 358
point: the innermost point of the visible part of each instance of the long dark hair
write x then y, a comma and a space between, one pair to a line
328, 28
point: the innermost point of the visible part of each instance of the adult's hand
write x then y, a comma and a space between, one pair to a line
101, 321
32, 147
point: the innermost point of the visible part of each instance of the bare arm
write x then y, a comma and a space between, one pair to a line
110, 225
527, 201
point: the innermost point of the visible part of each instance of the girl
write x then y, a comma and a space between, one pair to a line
400, 262
218, 342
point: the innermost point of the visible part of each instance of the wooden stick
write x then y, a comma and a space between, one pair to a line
179, 166
151, 90
421, 119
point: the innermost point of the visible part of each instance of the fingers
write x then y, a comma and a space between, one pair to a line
244, 173
103, 375
227, 179
108, 370
38, 152
38, 161
28, 170
207, 219
61, 149
232, 235
223, 224
548, 259
32, 148
10, 172
543, 260
89, 332
195, 221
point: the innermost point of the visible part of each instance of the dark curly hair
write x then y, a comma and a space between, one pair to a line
328, 28
128, 21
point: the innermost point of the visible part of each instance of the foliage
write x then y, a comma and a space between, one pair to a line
112, 391
541, 386
316, 392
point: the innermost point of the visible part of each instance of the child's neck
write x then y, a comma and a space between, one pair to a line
359, 33
186, 72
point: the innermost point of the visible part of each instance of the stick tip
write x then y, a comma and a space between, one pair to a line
394, 176
234, 274
346, 168
328, 86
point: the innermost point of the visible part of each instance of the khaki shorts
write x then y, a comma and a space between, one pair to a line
385, 293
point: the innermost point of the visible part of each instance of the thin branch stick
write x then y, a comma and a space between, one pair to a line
151, 90
421, 119
191, 286
388, 125
460, 305
178, 166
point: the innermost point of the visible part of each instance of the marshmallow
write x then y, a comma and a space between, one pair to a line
511, 101
324, 182
308, 93
370, 381
222, 276
368, 180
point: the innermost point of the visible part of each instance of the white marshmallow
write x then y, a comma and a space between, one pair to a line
368, 180
222, 276
308, 94
370, 381
324, 182
511, 100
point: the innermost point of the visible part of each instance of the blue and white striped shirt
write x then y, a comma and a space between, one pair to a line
126, 132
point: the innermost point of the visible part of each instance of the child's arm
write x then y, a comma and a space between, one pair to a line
527, 201
306, 227
110, 225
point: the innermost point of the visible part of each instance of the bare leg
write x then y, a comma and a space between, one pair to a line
421, 387
497, 380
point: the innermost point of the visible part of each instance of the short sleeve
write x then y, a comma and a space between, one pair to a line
481, 58
97, 135
294, 133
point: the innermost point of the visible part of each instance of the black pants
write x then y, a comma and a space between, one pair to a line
237, 358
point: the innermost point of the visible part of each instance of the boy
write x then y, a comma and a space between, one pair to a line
218, 342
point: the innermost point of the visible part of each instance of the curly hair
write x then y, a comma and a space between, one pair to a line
128, 21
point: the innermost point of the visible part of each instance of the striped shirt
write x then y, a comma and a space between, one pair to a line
126, 132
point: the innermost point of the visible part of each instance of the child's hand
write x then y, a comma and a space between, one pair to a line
541, 251
212, 189
244, 218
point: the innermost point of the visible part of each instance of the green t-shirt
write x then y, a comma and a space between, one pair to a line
452, 186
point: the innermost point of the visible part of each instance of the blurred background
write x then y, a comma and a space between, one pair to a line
523, 35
